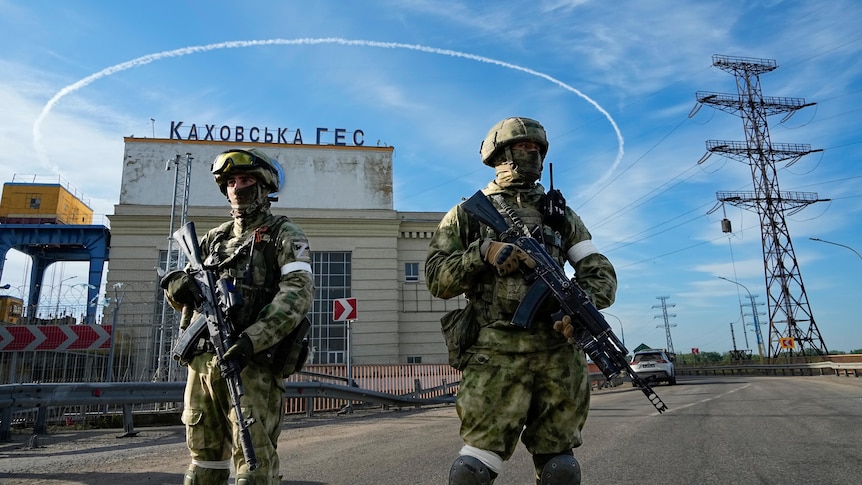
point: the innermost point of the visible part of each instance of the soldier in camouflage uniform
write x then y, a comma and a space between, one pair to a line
268, 259
528, 384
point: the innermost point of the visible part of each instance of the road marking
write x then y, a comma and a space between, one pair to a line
676, 408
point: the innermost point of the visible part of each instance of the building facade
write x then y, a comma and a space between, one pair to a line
339, 194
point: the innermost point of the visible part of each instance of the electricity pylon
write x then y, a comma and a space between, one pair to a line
789, 311
665, 316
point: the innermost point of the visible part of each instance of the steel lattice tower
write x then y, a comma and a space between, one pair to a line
665, 316
168, 329
789, 311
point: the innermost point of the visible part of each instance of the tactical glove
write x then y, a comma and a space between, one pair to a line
565, 327
180, 289
241, 351
504, 256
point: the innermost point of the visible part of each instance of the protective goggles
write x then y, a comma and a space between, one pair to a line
237, 160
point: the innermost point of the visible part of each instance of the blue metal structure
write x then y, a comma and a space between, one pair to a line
49, 243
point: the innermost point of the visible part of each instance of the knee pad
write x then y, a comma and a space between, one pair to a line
196, 475
467, 470
560, 470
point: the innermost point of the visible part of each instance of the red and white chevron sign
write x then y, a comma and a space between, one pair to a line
343, 309
15, 338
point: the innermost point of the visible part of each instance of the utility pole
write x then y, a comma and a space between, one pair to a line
665, 316
789, 310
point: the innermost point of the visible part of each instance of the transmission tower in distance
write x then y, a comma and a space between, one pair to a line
789, 311
665, 316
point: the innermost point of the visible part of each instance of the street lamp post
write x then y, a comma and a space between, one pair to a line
74, 302
753, 313
836, 244
59, 292
622, 332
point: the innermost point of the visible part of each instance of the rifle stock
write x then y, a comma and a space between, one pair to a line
593, 334
217, 298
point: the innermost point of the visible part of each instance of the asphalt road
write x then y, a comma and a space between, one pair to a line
718, 430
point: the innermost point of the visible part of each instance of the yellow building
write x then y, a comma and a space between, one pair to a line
42, 203
11, 309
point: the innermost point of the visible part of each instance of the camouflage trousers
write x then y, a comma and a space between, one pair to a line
212, 433
541, 397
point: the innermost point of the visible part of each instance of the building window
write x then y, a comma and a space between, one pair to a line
411, 272
414, 360
35, 202
332, 280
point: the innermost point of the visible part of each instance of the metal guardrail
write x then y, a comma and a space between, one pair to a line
853, 369
125, 394
43, 396
113, 393
89, 393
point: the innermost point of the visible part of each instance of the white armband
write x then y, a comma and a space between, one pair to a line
581, 250
295, 266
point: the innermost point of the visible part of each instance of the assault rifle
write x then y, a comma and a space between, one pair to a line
592, 332
217, 298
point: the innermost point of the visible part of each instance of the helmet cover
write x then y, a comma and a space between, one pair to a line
510, 131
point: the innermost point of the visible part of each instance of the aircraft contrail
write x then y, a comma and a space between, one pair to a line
143, 60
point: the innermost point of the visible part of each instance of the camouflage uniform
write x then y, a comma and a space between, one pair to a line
269, 314
531, 383
268, 261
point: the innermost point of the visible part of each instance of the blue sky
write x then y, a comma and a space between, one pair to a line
614, 84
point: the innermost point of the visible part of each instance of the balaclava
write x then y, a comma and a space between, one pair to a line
518, 168
251, 200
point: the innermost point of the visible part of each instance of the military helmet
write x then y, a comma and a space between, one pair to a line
512, 130
251, 161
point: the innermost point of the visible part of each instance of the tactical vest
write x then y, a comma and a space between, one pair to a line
497, 297
251, 264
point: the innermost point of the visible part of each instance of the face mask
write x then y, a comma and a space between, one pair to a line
249, 200
520, 168
528, 164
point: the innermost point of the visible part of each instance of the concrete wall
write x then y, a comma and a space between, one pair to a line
316, 176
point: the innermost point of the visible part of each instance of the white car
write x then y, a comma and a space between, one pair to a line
654, 365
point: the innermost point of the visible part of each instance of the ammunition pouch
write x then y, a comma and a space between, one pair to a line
192, 341
460, 330
288, 356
